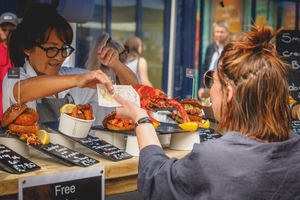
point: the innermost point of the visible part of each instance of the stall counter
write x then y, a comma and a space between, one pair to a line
120, 176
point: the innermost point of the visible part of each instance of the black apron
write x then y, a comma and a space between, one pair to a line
48, 109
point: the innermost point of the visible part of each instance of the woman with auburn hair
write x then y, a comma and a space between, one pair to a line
258, 158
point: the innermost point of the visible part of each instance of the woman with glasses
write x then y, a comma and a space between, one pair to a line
39, 46
258, 158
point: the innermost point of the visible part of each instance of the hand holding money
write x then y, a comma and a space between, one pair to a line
126, 91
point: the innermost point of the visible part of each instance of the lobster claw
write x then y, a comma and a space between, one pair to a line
180, 109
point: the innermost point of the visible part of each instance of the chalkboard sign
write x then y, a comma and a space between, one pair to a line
296, 126
14, 162
288, 46
208, 134
105, 149
70, 155
100, 146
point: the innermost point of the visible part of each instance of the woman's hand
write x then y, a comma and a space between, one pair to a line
129, 110
91, 79
108, 56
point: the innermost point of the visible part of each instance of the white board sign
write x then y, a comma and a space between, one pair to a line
78, 184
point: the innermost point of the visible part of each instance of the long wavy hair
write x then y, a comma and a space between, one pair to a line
93, 63
133, 43
35, 28
260, 105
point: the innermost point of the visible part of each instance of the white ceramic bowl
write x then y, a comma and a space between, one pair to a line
74, 127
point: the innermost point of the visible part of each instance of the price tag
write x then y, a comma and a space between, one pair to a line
79, 184
13, 73
14, 162
190, 73
70, 155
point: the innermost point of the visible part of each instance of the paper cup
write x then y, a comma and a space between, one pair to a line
132, 146
184, 141
16, 145
56, 138
74, 127
116, 139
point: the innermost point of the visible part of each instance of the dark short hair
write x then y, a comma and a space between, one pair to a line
35, 28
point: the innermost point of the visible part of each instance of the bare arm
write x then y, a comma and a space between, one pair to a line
143, 69
46, 85
145, 132
124, 74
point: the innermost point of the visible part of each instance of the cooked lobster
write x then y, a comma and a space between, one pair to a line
155, 97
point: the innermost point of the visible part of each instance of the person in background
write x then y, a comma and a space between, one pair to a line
93, 63
257, 159
39, 45
214, 50
135, 61
8, 22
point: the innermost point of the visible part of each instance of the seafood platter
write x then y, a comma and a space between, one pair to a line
20, 130
75, 123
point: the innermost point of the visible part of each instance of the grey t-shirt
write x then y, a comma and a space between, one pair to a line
231, 167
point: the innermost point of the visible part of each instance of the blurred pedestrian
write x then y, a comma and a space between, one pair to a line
8, 22
135, 61
214, 50
93, 63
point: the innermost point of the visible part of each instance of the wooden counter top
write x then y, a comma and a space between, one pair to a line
120, 176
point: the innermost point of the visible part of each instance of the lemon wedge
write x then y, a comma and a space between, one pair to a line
189, 126
207, 102
155, 125
67, 108
205, 124
43, 136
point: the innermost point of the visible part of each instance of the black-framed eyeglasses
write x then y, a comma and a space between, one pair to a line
51, 52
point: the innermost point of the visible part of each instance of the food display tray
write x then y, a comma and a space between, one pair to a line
49, 149
101, 147
163, 128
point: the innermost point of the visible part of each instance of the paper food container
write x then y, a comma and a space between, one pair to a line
74, 127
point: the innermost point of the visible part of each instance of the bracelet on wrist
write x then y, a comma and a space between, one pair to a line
143, 120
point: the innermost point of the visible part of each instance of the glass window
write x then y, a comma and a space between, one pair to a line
87, 34
153, 38
123, 19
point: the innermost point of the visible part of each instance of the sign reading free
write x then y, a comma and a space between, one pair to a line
79, 184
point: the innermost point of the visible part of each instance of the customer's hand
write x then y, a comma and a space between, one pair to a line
129, 110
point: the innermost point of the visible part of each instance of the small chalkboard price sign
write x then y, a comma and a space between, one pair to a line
100, 146
296, 126
106, 149
79, 184
70, 155
288, 46
14, 162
